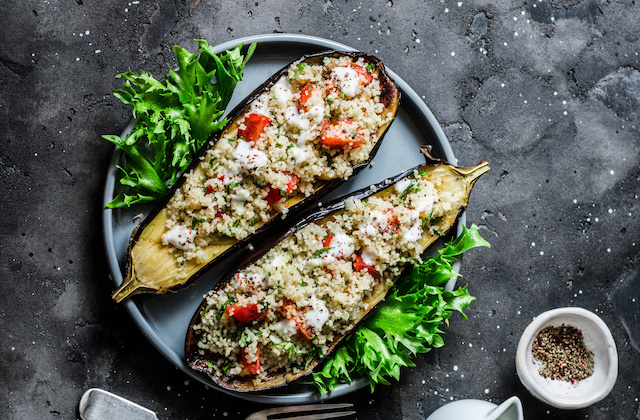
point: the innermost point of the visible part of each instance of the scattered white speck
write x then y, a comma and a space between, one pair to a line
470, 345
533, 244
77, 58
505, 44
522, 13
459, 4
553, 19
35, 154
225, 414
497, 327
446, 10
168, 388
564, 102
13, 348
486, 390
501, 84
541, 252
575, 201
453, 53
610, 211
564, 113
515, 18
555, 93
455, 368
87, 32
423, 382
608, 249
98, 51
435, 392
611, 172
597, 220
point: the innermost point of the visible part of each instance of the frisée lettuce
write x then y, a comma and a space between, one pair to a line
407, 323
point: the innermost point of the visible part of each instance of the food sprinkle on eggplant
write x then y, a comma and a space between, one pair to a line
314, 124
272, 319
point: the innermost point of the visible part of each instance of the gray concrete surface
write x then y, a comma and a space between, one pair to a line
547, 91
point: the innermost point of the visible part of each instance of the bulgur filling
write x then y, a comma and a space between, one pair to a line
313, 124
280, 312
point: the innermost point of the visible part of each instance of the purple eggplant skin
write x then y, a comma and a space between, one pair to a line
277, 379
390, 97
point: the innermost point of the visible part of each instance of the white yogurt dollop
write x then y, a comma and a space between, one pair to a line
181, 237
318, 314
347, 79
341, 246
248, 158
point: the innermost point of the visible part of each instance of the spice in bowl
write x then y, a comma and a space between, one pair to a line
562, 354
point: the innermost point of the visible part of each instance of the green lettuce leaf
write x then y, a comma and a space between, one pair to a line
174, 118
407, 323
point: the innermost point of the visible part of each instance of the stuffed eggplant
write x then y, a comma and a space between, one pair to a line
312, 125
272, 319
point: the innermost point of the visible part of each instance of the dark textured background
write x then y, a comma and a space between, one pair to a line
547, 91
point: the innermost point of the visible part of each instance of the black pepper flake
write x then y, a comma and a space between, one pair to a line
562, 354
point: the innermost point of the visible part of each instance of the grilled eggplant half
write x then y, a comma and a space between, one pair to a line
273, 317
312, 125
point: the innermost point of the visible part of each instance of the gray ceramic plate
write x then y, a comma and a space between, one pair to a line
164, 319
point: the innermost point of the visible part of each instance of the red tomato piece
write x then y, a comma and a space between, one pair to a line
359, 265
305, 93
255, 125
274, 195
253, 367
327, 241
345, 133
362, 72
305, 332
209, 189
244, 313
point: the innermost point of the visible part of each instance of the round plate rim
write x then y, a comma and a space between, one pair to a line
112, 259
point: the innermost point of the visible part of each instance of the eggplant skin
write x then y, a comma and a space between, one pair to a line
132, 285
200, 363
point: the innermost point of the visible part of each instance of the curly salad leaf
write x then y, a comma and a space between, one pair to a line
407, 323
174, 118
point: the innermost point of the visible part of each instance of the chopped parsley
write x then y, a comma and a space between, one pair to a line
301, 67
321, 251
370, 68
194, 221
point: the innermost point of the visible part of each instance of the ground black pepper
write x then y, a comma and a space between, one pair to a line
563, 355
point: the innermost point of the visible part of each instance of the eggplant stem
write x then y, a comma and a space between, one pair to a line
474, 172
130, 287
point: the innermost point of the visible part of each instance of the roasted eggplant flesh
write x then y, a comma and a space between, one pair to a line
273, 318
313, 124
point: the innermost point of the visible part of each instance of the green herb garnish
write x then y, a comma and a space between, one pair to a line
301, 67
320, 252
194, 221
407, 323
174, 118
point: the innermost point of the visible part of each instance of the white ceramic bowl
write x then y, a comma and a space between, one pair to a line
597, 339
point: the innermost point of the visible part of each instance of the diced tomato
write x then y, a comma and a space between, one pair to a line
305, 332
305, 93
253, 367
287, 309
292, 183
254, 127
327, 241
273, 195
362, 72
209, 189
359, 265
244, 313
345, 133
